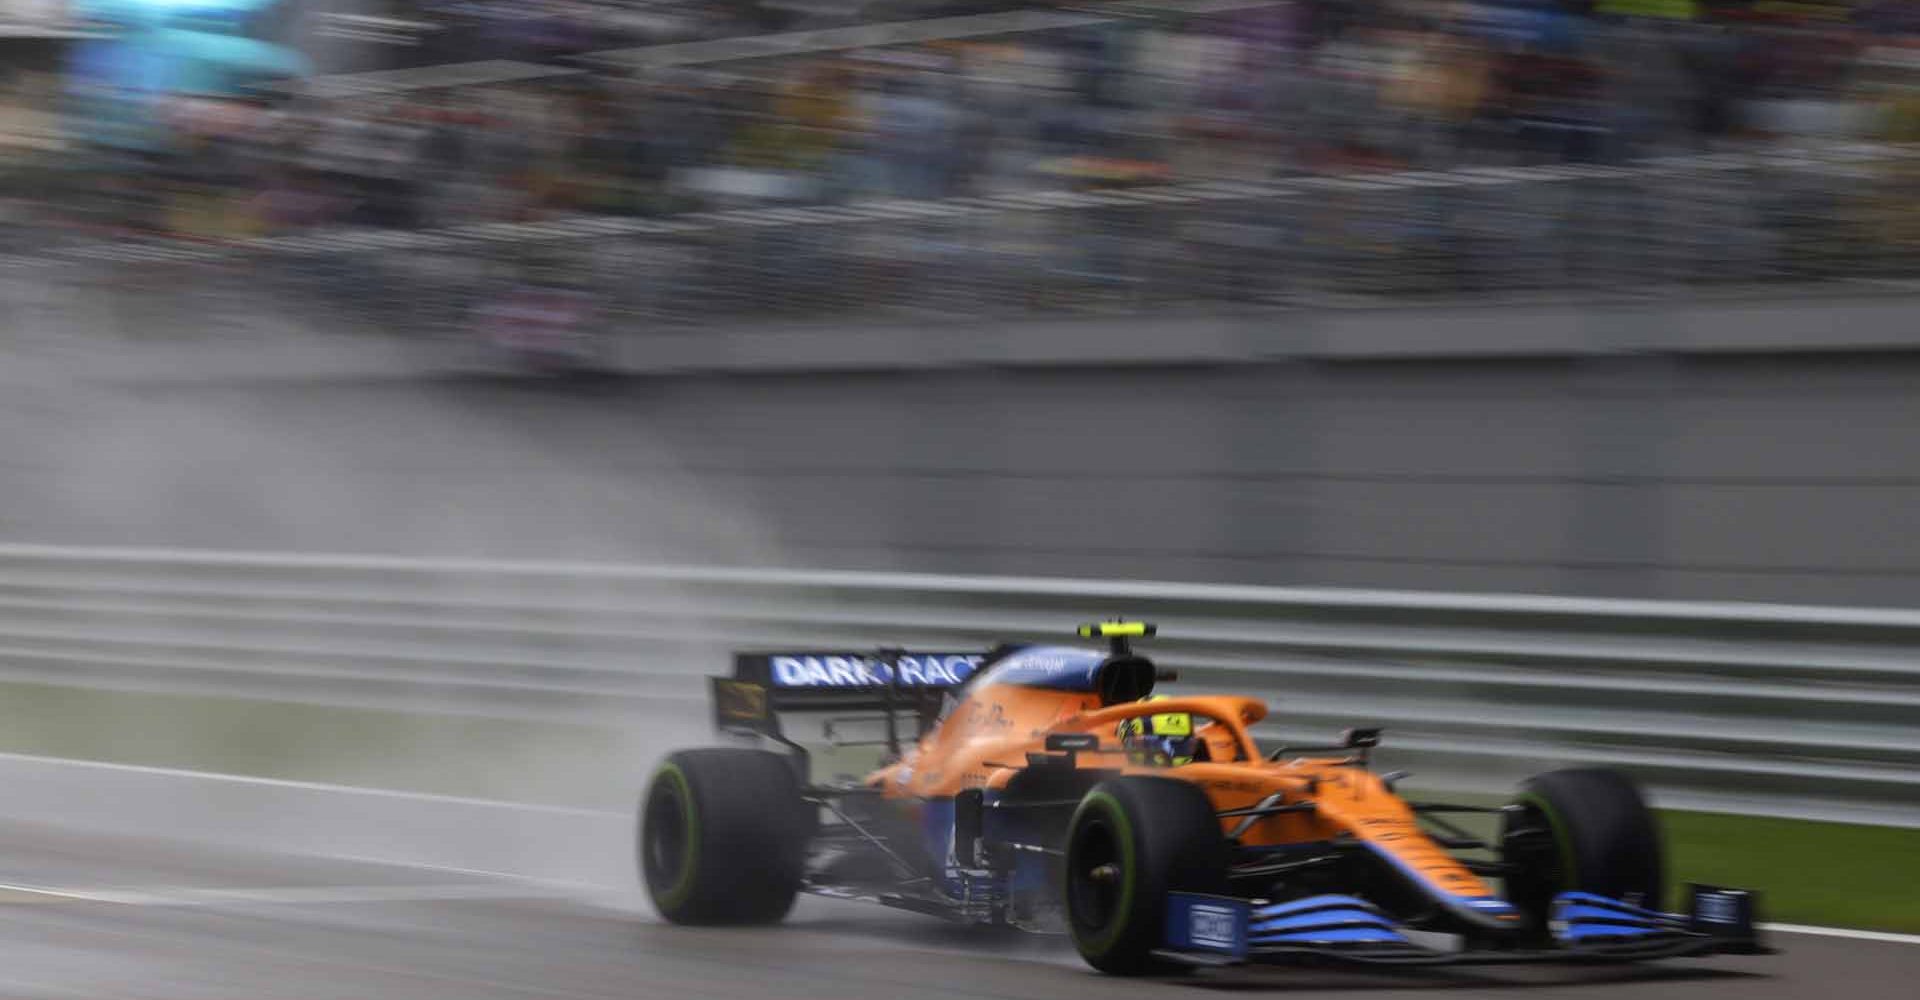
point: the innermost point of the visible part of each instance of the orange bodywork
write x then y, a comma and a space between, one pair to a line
983, 742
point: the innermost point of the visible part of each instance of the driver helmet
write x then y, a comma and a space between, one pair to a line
1163, 740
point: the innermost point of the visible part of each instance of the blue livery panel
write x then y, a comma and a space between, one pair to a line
1723, 914
1055, 668
1585, 926
1216, 924
1324, 920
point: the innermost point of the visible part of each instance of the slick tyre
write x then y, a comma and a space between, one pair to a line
723, 836
1585, 830
1131, 841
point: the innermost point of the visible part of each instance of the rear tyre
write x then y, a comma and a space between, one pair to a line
1131, 841
1584, 830
723, 836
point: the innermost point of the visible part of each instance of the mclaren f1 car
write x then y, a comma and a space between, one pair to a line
1050, 788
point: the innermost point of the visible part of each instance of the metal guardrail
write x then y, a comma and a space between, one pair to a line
1786, 710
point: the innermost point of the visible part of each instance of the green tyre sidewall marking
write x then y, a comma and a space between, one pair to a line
1562, 838
682, 889
1123, 831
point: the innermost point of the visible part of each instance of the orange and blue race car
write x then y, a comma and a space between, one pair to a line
1050, 788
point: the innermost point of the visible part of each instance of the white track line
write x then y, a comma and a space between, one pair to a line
316, 786
311, 895
37, 890
1842, 932
297, 895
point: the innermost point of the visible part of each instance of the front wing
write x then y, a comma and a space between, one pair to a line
1219, 930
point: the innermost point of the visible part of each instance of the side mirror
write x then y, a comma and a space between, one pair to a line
1072, 742
1062, 748
1360, 739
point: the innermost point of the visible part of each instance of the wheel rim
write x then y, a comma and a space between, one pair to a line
1093, 879
663, 850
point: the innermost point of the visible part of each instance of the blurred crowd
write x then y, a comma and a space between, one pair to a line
1300, 86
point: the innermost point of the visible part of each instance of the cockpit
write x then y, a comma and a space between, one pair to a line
1175, 739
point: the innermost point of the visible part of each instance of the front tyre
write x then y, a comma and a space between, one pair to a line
1131, 842
723, 836
1584, 830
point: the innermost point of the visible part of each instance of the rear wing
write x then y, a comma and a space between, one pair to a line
765, 684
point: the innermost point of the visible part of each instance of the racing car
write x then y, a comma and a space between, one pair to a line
1051, 788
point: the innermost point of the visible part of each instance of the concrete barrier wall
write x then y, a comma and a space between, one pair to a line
1660, 474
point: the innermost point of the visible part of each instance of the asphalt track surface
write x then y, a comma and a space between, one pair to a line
98, 918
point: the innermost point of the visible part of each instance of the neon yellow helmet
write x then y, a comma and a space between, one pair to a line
1166, 739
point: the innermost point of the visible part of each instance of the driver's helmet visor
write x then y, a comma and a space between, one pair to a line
1163, 740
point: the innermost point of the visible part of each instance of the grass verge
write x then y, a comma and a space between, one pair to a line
1835, 874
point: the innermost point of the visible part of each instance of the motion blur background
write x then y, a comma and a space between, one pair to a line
1591, 300
1514, 296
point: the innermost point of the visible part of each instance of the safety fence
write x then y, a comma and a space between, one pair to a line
1782, 215
1786, 710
